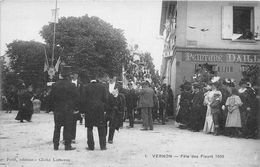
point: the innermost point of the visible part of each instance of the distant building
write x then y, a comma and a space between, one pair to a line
223, 34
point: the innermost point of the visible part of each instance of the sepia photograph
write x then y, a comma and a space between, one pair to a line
129, 83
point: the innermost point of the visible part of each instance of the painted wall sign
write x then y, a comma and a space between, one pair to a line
221, 57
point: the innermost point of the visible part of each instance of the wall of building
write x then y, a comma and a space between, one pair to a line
192, 16
181, 22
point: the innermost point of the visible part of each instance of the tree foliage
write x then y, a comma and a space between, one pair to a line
27, 61
140, 68
89, 43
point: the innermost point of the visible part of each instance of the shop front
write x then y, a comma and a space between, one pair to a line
227, 63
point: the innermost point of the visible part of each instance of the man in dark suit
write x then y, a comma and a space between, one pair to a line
104, 80
146, 103
63, 101
76, 115
115, 113
94, 96
131, 102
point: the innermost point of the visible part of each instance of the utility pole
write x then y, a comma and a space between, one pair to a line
1, 1
51, 70
54, 30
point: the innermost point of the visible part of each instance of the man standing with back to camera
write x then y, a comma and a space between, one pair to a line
63, 101
94, 100
76, 115
146, 103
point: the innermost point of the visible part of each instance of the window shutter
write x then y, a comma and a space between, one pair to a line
257, 22
227, 22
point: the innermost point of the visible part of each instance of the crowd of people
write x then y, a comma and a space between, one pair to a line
104, 104
219, 107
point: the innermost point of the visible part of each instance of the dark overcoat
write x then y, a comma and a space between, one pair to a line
25, 105
198, 111
115, 111
131, 100
64, 99
185, 104
94, 107
170, 102
225, 94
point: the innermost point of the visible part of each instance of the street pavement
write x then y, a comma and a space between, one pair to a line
29, 144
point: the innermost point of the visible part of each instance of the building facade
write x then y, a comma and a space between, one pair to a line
223, 34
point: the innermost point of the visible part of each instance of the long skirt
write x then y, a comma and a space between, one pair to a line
183, 115
24, 114
209, 124
234, 119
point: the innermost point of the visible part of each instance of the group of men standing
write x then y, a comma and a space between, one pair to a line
69, 99
102, 103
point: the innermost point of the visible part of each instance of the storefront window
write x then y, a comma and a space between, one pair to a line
223, 69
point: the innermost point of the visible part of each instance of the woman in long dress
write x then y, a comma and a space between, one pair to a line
209, 96
248, 110
25, 104
233, 122
185, 104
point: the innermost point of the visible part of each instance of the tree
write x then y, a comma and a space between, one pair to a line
89, 43
27, 62
140, 65
4, 70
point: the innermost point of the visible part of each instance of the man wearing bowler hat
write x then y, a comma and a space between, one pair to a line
63, 101
76, 115
94, 98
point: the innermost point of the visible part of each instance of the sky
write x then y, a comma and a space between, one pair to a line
140, 20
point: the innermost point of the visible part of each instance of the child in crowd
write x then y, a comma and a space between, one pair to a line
233, 121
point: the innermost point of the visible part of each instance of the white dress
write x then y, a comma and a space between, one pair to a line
209, 124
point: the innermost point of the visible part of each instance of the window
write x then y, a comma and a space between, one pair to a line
241, 22
223, 69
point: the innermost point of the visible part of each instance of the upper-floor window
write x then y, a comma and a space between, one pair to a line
241, 23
